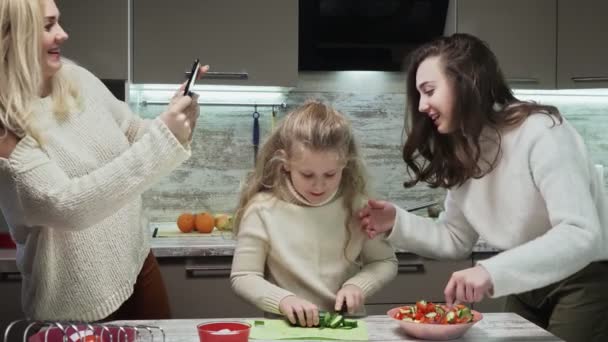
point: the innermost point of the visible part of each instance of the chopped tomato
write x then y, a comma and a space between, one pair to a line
432, 313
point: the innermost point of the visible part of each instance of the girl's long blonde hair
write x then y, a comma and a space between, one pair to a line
317, 127
21, 27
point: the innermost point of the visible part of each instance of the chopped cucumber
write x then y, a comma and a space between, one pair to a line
450, 317
336, 321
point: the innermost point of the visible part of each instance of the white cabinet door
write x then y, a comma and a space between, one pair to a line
521, 33
98, 35
582, 52
259, 38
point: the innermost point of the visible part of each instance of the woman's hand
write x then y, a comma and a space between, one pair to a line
352, 295
299, 311
177, 119
468, 286
192, 111
377, 217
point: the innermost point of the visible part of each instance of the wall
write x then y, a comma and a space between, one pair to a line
375, 103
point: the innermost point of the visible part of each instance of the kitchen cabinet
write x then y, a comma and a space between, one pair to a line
200, 288
521, 33
582, 55
232, 36
10, 290
98, 36
418, 278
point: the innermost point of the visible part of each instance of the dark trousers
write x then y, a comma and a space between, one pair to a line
574, 309
149, 299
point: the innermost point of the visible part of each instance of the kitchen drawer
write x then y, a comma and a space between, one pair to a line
491, 305
10, 292
200, 288
418, 278
488, 304
380, 309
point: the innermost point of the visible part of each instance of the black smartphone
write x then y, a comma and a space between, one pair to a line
196, 67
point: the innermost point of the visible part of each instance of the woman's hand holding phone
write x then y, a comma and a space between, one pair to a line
183, 111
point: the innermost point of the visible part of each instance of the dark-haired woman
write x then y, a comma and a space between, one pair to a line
518, 175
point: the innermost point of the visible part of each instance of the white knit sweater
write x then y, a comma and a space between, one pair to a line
287, 248
543, 204
74, 204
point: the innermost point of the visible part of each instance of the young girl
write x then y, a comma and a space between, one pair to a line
519, 176
300, 247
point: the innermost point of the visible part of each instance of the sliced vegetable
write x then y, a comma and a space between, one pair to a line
428, 312
334, 321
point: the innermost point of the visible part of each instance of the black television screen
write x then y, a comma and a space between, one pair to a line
365, 34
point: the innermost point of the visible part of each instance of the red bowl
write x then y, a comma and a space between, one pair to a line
438, 332
6, 241
223, 332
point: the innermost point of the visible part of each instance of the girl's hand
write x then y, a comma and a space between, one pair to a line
377, 217
352, 295
299, 311
468, 286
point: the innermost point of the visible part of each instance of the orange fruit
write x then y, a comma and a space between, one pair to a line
185, 222
204, 222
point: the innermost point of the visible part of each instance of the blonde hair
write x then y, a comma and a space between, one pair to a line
317, 127
21, 27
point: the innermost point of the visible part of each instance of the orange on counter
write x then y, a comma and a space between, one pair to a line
204, 222
185, 222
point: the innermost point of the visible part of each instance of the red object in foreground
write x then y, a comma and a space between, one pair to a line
6, 241
84, 333
223, 332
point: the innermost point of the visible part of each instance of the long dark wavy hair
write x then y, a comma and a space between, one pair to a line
481, 100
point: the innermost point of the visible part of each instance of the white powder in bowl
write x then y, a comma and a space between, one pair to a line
224, 332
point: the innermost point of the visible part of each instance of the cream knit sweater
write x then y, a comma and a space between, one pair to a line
74, 204
286, 248
543, 204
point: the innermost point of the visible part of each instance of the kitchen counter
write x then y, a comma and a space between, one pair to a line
223, 245
496, 327
216, 245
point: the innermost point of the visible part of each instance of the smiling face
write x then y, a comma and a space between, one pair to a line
53, 37
315, 175
436, 94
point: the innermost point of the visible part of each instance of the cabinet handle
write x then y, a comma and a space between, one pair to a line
218, 75
522, 80
10, 276
201, 271
590, 79
410, 267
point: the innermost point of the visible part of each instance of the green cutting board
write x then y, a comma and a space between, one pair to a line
279, 329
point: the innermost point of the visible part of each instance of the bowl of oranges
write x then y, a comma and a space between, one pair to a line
429, 321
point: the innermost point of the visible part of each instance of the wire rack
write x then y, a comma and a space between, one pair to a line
49, 331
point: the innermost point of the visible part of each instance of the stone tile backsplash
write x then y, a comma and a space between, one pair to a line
222, 151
